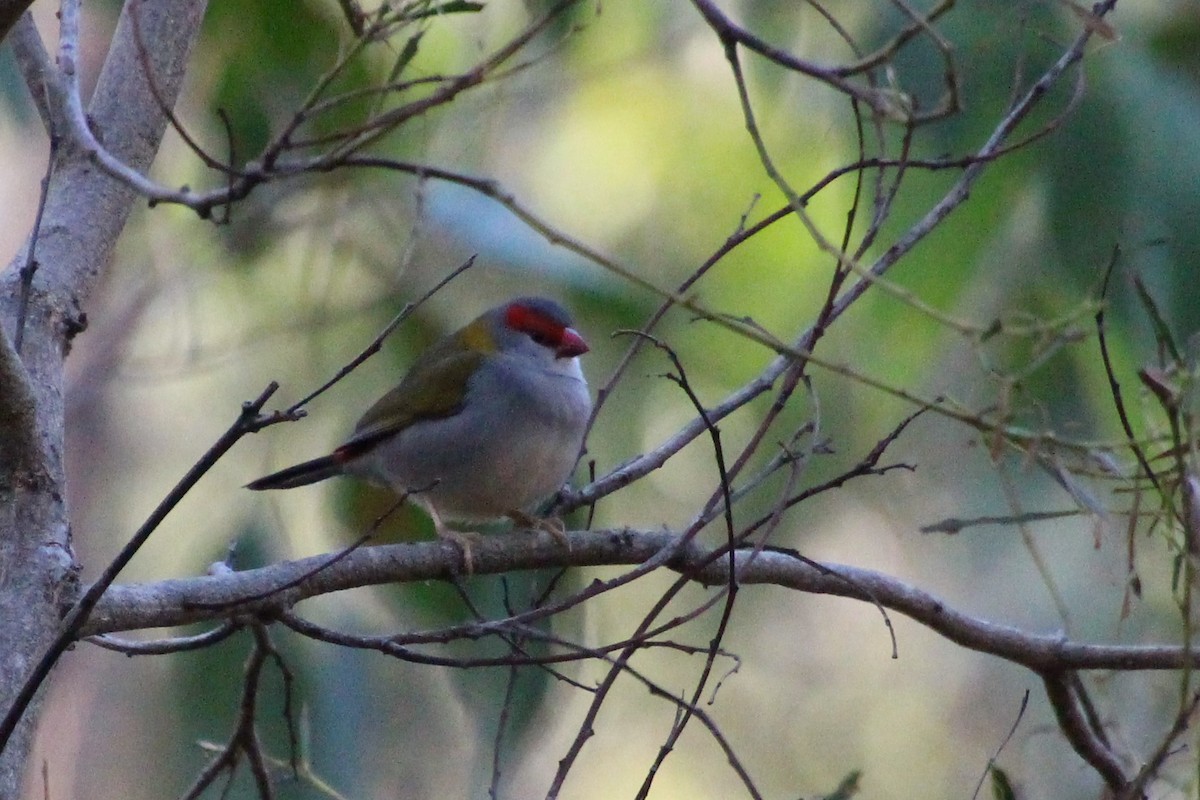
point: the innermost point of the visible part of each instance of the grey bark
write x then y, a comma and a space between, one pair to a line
86, 210
10, 12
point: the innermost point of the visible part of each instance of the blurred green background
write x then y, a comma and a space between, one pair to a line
625, 133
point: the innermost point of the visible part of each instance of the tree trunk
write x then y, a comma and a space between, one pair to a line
86, 209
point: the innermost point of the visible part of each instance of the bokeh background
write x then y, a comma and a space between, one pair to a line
626, 134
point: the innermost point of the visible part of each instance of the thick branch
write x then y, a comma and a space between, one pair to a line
10, 12
34, 63
181, 601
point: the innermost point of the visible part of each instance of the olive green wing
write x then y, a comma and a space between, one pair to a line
434, 388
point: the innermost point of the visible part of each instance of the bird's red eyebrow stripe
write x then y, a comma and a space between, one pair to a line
523, 318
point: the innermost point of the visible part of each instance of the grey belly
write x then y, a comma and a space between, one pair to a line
471, 468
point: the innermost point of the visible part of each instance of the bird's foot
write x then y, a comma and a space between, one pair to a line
551, 525
464, 540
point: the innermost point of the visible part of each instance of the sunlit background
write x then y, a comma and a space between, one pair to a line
626, 134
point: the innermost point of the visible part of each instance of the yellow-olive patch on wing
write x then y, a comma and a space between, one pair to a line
433, 388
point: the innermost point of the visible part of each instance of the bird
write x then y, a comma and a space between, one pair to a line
485, 424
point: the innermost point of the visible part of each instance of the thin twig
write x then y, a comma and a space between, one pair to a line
248, 420
157, 647
1113, 384
244, 741
29, 268
731, 587
991, 765
331, 560
376, 343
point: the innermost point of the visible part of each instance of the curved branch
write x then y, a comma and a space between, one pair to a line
1088, 742
884, 103
179, 644
186, 600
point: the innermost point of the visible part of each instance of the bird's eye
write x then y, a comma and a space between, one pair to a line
544, 339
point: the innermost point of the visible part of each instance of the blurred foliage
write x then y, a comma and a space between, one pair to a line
847, 789
1001, 786
623, 129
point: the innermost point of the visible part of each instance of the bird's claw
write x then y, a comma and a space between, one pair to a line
464, 540
551, 525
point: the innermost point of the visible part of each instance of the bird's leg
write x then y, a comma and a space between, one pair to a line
551, 525
463, 539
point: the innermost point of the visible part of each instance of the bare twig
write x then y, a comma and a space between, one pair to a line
1150, 769
1008, 738
29, 268
731, 588
1114, 385
156, 647
241, 182
1088, 743
887, 104
329, 562
373, 348
244, 741
165, 108
248, 420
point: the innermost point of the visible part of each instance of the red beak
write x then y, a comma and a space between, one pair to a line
571, 344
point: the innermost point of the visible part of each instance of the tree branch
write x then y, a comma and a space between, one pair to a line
1088, 743
182, 601
10, 12
34, 62
20, 447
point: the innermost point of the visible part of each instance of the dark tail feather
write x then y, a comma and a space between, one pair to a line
300, 475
